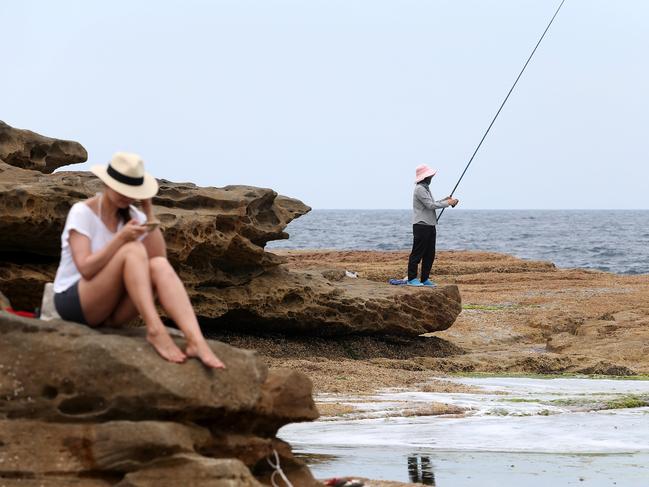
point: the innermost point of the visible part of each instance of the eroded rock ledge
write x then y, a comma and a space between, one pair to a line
77, 405
312, 303
216, 240
215, 235
29, 150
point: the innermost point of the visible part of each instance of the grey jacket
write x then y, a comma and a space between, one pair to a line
424, 205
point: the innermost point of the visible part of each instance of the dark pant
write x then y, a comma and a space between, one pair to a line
68, 304
423, 250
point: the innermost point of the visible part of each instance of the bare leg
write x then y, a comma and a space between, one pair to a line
175, 301
124, 312
127, 270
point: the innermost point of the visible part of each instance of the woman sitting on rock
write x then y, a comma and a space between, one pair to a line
113, 261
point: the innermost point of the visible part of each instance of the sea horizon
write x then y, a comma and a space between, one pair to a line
487, 209
606, 240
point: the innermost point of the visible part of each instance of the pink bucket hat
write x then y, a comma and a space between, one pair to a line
423, 171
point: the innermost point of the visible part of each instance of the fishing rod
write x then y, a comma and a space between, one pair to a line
503, 103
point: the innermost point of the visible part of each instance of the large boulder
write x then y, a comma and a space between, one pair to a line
192, 471
215, 226
29, 150
215, 235
313, 303
216, 240
77, 402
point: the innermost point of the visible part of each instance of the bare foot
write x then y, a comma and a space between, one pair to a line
204, 353
165, 346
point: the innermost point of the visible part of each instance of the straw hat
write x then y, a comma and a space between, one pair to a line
125, 174
423, 171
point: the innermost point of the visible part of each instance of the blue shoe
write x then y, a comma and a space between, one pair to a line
428, 283
415, 282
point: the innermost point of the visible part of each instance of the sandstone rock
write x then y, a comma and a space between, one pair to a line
53, 481
103, 406
463, 266
160, 453
297, 302
305, 302
192, 471
216, 236
334, 274
111, 447
288, 396
23, 283
29, 150
78, 402
216, 240
100, 377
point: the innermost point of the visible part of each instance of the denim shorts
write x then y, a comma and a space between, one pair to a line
68, 304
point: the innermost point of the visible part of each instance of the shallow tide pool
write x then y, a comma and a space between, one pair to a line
515, 431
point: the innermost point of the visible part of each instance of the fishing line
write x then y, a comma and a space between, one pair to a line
503, 103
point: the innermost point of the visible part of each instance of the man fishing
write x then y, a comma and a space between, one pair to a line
424, 221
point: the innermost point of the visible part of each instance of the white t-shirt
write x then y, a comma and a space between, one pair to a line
82, 219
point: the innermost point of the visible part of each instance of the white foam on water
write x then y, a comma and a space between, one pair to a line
524, 419
566, 433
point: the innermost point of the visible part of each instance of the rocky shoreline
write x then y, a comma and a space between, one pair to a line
97, 407
89, 407
519, 317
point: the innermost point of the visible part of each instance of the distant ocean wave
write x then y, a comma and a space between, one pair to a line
608, 240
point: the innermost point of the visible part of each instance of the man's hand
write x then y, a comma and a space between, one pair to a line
452, 201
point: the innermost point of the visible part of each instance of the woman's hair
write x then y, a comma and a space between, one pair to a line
124, 214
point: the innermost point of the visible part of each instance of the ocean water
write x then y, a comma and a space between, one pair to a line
608, 240
516, 432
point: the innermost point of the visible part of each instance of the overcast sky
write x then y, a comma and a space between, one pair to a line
336, 101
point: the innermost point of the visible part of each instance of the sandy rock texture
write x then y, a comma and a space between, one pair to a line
29, 150
216, 241
77, 403
215, 236
519, 317
312, 304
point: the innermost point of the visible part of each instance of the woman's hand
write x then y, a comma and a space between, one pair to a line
131, 231
147, 208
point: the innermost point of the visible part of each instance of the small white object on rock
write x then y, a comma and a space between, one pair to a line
48, 310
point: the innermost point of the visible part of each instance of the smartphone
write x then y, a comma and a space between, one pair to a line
150, 226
